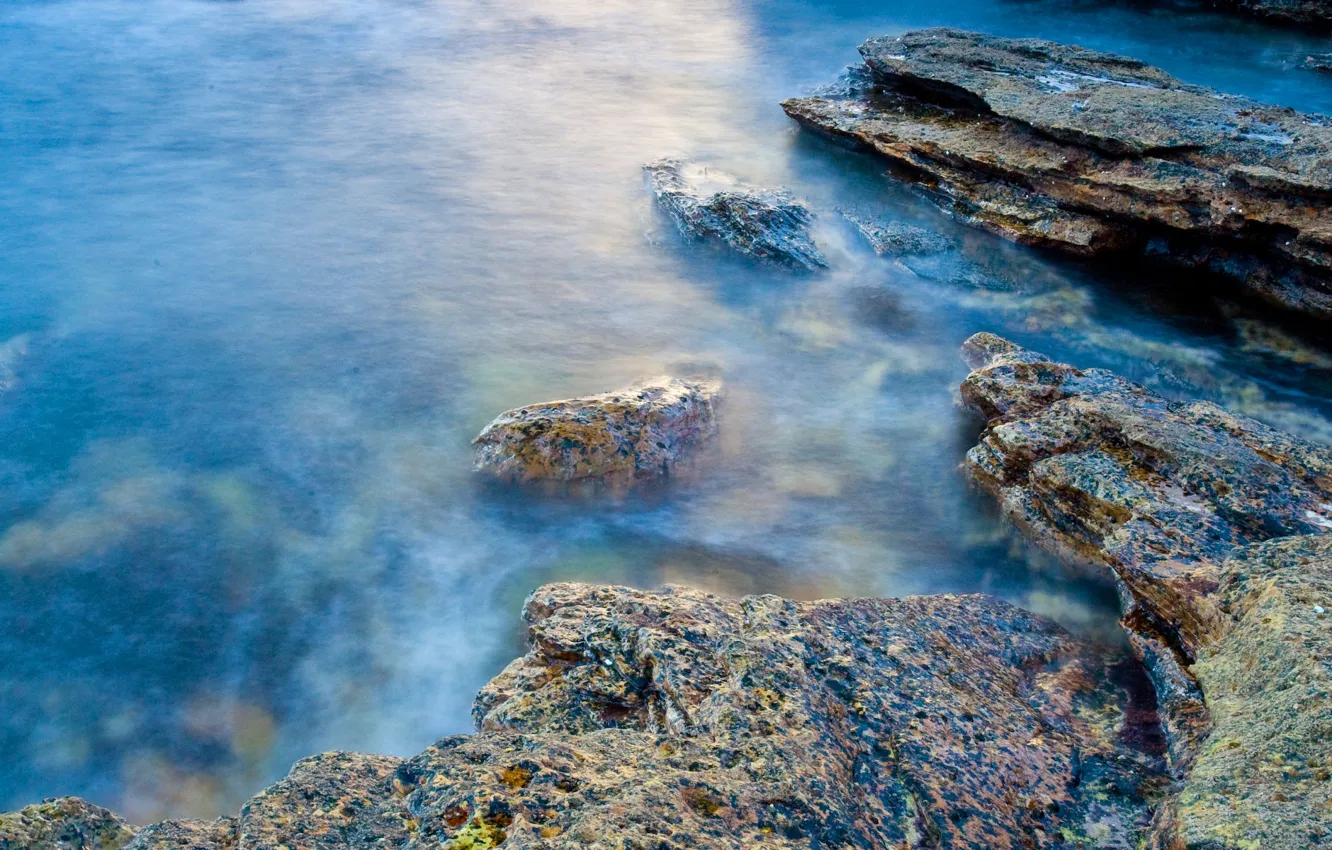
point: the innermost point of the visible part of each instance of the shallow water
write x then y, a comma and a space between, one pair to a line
267, 267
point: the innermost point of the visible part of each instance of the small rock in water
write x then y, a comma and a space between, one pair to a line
767, 224
1319, 62
638, 432
898, 239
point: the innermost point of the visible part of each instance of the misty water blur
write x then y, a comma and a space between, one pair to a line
267, 267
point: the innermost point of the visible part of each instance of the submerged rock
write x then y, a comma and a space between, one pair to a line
767, 224
891, 238
641, 431
677, 720
1319, 62
1093, 153
1215, 528
63, 823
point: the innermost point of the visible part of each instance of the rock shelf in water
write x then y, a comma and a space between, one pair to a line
707, 205
642, 431
1093, 153
1216, 529
677, 720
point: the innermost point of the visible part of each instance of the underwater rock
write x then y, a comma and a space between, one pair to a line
677, 719
63, 823
767, 224
641, 431
898, 239
1092, 153
1215, 528
1319, 62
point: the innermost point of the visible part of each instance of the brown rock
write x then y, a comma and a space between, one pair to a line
1093, 153
642, 431
63, 823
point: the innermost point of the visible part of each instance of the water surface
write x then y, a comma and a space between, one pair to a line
267, 266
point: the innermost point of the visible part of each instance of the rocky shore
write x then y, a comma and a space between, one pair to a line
1096, 154
1215, 528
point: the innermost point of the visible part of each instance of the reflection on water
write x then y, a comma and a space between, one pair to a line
268, 267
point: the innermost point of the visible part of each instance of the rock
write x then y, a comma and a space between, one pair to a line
767, 224
1317, 12
218, 834
641, 431
1092, 153
1319, 62
63, 823
678, 719
898, 239
1215, 528
1262, 778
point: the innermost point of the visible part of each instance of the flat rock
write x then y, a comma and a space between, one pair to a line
642, 431
1215, 528
1093, 153
891, 238
63, 823
708, 205
676, 720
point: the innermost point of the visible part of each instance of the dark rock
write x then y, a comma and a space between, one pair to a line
220, 834
1317, 12
63, 823
1093, 153
680, 720
767, 224
1215, 528
641, 431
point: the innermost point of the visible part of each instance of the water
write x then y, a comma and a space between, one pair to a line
266, 268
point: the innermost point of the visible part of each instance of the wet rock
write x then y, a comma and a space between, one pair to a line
1319, 62
1317, 12
641, 431
1092, 153
898, 239
1261, 779
1215, 527
63, 823
677, 720
767, 224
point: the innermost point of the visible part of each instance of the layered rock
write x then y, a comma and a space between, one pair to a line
678, 719
1215, 528
1093, 153
707, 205
643, 431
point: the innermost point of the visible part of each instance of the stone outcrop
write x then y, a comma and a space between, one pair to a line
1216, 530
678, 719
1093, 153
707, 205
643, 431
1303, 12
63, 823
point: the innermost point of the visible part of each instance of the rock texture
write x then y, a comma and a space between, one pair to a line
643, 431
1316, 12
1215, 528
678, 720
767, 224
891, 238
1093, 153
63, 823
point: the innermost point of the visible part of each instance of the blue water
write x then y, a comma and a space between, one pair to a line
267, 266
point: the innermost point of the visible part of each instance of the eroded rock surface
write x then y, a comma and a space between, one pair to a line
1093, 153
63, 823
641, 431
767, 224
678, 720
1216, 528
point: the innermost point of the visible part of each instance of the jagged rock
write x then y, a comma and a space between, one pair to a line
1093, 153
898, 239
217, 834
1317, 12
641, 431
1215, 527
767, 224
63, 823
677, 720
